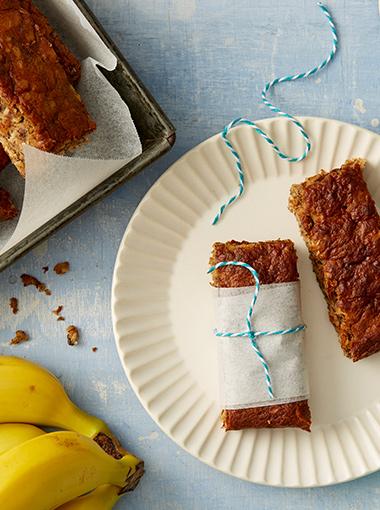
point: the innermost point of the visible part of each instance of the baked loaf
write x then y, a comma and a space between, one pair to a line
38, 104
275, 262
68, 61
8, 211
341, 228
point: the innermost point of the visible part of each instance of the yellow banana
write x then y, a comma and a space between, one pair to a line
13, 434
102, 498
31, 394
55, 468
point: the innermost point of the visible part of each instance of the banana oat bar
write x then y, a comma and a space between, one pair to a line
275, 262
38, 103
341, 228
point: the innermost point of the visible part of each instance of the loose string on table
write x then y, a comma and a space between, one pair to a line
273, 108
252, 335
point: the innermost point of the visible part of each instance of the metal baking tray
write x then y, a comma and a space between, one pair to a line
157, 135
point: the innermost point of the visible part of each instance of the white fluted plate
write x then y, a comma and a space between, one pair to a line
163, 312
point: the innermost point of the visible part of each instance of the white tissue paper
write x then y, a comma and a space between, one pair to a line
242, 378
54, 182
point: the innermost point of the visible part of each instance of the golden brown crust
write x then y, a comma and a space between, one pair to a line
341, 227
38, 104
294, 414
275, 262
68, 61
8, 211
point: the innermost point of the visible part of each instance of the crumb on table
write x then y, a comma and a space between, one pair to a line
19, 338
27, 280
13, 303
45, 269
72, 335
94, 349
62, 267
57, 311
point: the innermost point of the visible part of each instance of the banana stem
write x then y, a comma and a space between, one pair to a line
82, 422
95, 428
112, 446
134, 478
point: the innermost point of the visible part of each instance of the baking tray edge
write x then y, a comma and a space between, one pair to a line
153, 151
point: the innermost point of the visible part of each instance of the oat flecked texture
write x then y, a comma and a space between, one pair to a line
38, 103
340, 224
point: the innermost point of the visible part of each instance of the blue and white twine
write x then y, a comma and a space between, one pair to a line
297, 123
252, 335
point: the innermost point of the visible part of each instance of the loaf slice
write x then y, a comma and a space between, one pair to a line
340, 224
275, 262
38, 104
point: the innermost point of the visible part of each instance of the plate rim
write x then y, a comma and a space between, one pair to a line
122, 247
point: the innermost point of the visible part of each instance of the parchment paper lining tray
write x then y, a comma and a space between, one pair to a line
93, 179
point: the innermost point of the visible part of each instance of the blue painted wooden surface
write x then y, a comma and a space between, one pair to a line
206, 62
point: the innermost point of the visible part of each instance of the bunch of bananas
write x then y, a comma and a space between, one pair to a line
79, 467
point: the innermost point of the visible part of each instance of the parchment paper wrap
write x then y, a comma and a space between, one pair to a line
242, 379
54, 182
